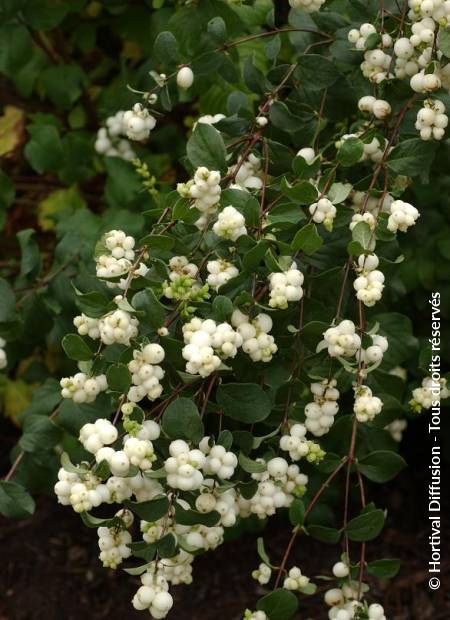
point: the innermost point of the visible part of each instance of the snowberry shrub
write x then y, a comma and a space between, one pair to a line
237, 357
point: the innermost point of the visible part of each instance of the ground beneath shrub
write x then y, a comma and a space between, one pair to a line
50, 568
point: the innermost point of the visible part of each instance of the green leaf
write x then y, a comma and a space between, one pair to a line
250, 466
366, 526
383, 569
278, 605
283, 118
297, 512
67, 464
151, 510
94, 304
307, 239
350, 152
217, 29
381, 465
206, 148
165, 47
338, 192
15, 501
193, 517
222, 308
44, 150
64, 84
245, 402
157, 242
167, 546
363, 235
316, 72
181, 420
325, 534
262, 551
444, 41
30, 263
146, 302
76, 348
39, 433
119, 378
304, 192
91, 521
412, 157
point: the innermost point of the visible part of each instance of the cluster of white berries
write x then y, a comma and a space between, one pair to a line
295, 580
256, 340
207, 343
341, 340
153, 595
87, 326
82, 388
323, 212
374, 353
185, 77
403, 215
344, 601
413, 54
204, 189
321, 412
137, 451
121, 254
307, 5
380, 108
371, 204
3, 359
97, 435
285, 286
367, 218
359, 36
180, 266
432, 120
118, 326
218, 461
248, 175
225, 503
146, 373
138, 123
110, 140
82, 494
113, 542
396, 429
230, 224
278, 485
429, 393
369, 284
262, 574
220, 271
437, 9
183, 466
182, 278
299, 447
366, 405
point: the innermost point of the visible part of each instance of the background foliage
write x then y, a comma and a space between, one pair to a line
65, 68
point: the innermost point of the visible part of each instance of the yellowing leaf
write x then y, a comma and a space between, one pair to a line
11, 129
57, 201
16, 398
